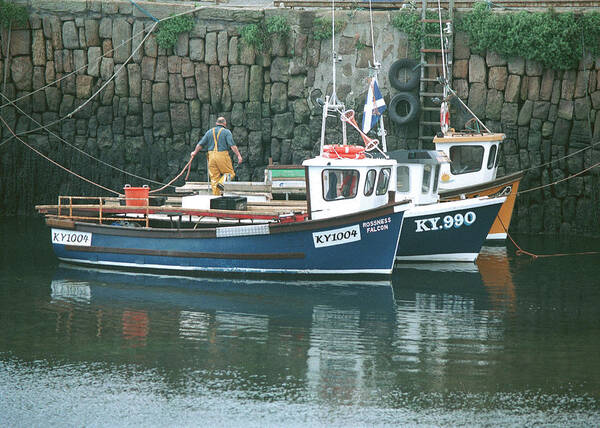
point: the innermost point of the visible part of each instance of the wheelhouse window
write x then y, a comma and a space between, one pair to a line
403, 179
426, 179
466, 159
492, 157
339, 184
436, 178
370, 182
383, 181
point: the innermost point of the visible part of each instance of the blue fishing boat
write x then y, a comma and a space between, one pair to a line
452, 231
312, 246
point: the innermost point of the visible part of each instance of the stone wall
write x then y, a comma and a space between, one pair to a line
148, 117
546, 116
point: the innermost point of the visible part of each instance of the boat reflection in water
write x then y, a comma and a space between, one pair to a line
331, 340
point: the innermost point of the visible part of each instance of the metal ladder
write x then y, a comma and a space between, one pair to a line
431, 69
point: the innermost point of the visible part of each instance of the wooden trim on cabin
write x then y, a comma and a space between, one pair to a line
186, 254
466, 138
502, 181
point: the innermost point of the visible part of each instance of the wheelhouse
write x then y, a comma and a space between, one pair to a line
339, 186
473, 158
418, 174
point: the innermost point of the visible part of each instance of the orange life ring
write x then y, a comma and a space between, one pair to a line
345, 151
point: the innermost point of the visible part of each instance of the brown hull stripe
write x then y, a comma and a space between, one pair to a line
185, 254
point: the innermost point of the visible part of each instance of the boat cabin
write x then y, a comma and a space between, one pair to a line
418, 174
340, 186
473, 158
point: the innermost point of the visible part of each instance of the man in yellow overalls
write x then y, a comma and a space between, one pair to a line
218, 141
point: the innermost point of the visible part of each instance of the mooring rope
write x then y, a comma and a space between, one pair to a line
520, 251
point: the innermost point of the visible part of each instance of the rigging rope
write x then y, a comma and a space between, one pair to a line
77, 148
54, 162
559, 181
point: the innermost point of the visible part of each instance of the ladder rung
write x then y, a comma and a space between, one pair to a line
432, 94
431, 65
430, 109
431, 50
429, 79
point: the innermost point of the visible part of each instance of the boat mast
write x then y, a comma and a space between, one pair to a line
373, 72
332, 103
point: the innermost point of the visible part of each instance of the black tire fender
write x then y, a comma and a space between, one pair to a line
408, 68
404, 108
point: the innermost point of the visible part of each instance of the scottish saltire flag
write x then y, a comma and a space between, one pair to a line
374, 107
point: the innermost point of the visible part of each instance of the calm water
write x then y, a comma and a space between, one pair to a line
509, 342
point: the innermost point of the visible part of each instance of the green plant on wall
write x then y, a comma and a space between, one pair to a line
322, 28
12, 14
556, 40
257, 35
169, 30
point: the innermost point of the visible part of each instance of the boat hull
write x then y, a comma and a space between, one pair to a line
505, 186
447, 232
342, 245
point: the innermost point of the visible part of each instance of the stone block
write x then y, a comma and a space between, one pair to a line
541, 109
174, 64
495, 101
202, 84
21, 69
497, 78
461, 69
510, 113
222, 48
210, 49
477, 69
176, 88
280, 69
182, 47
180, 118
477, 98
547, 85
38, 48
187, 68
160, 97
121, 40
232, 51
533, 88
282, 125
565, 109
278, 98
215, 81
239, 77
197, 50
161, 73
134, 74
568, 85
